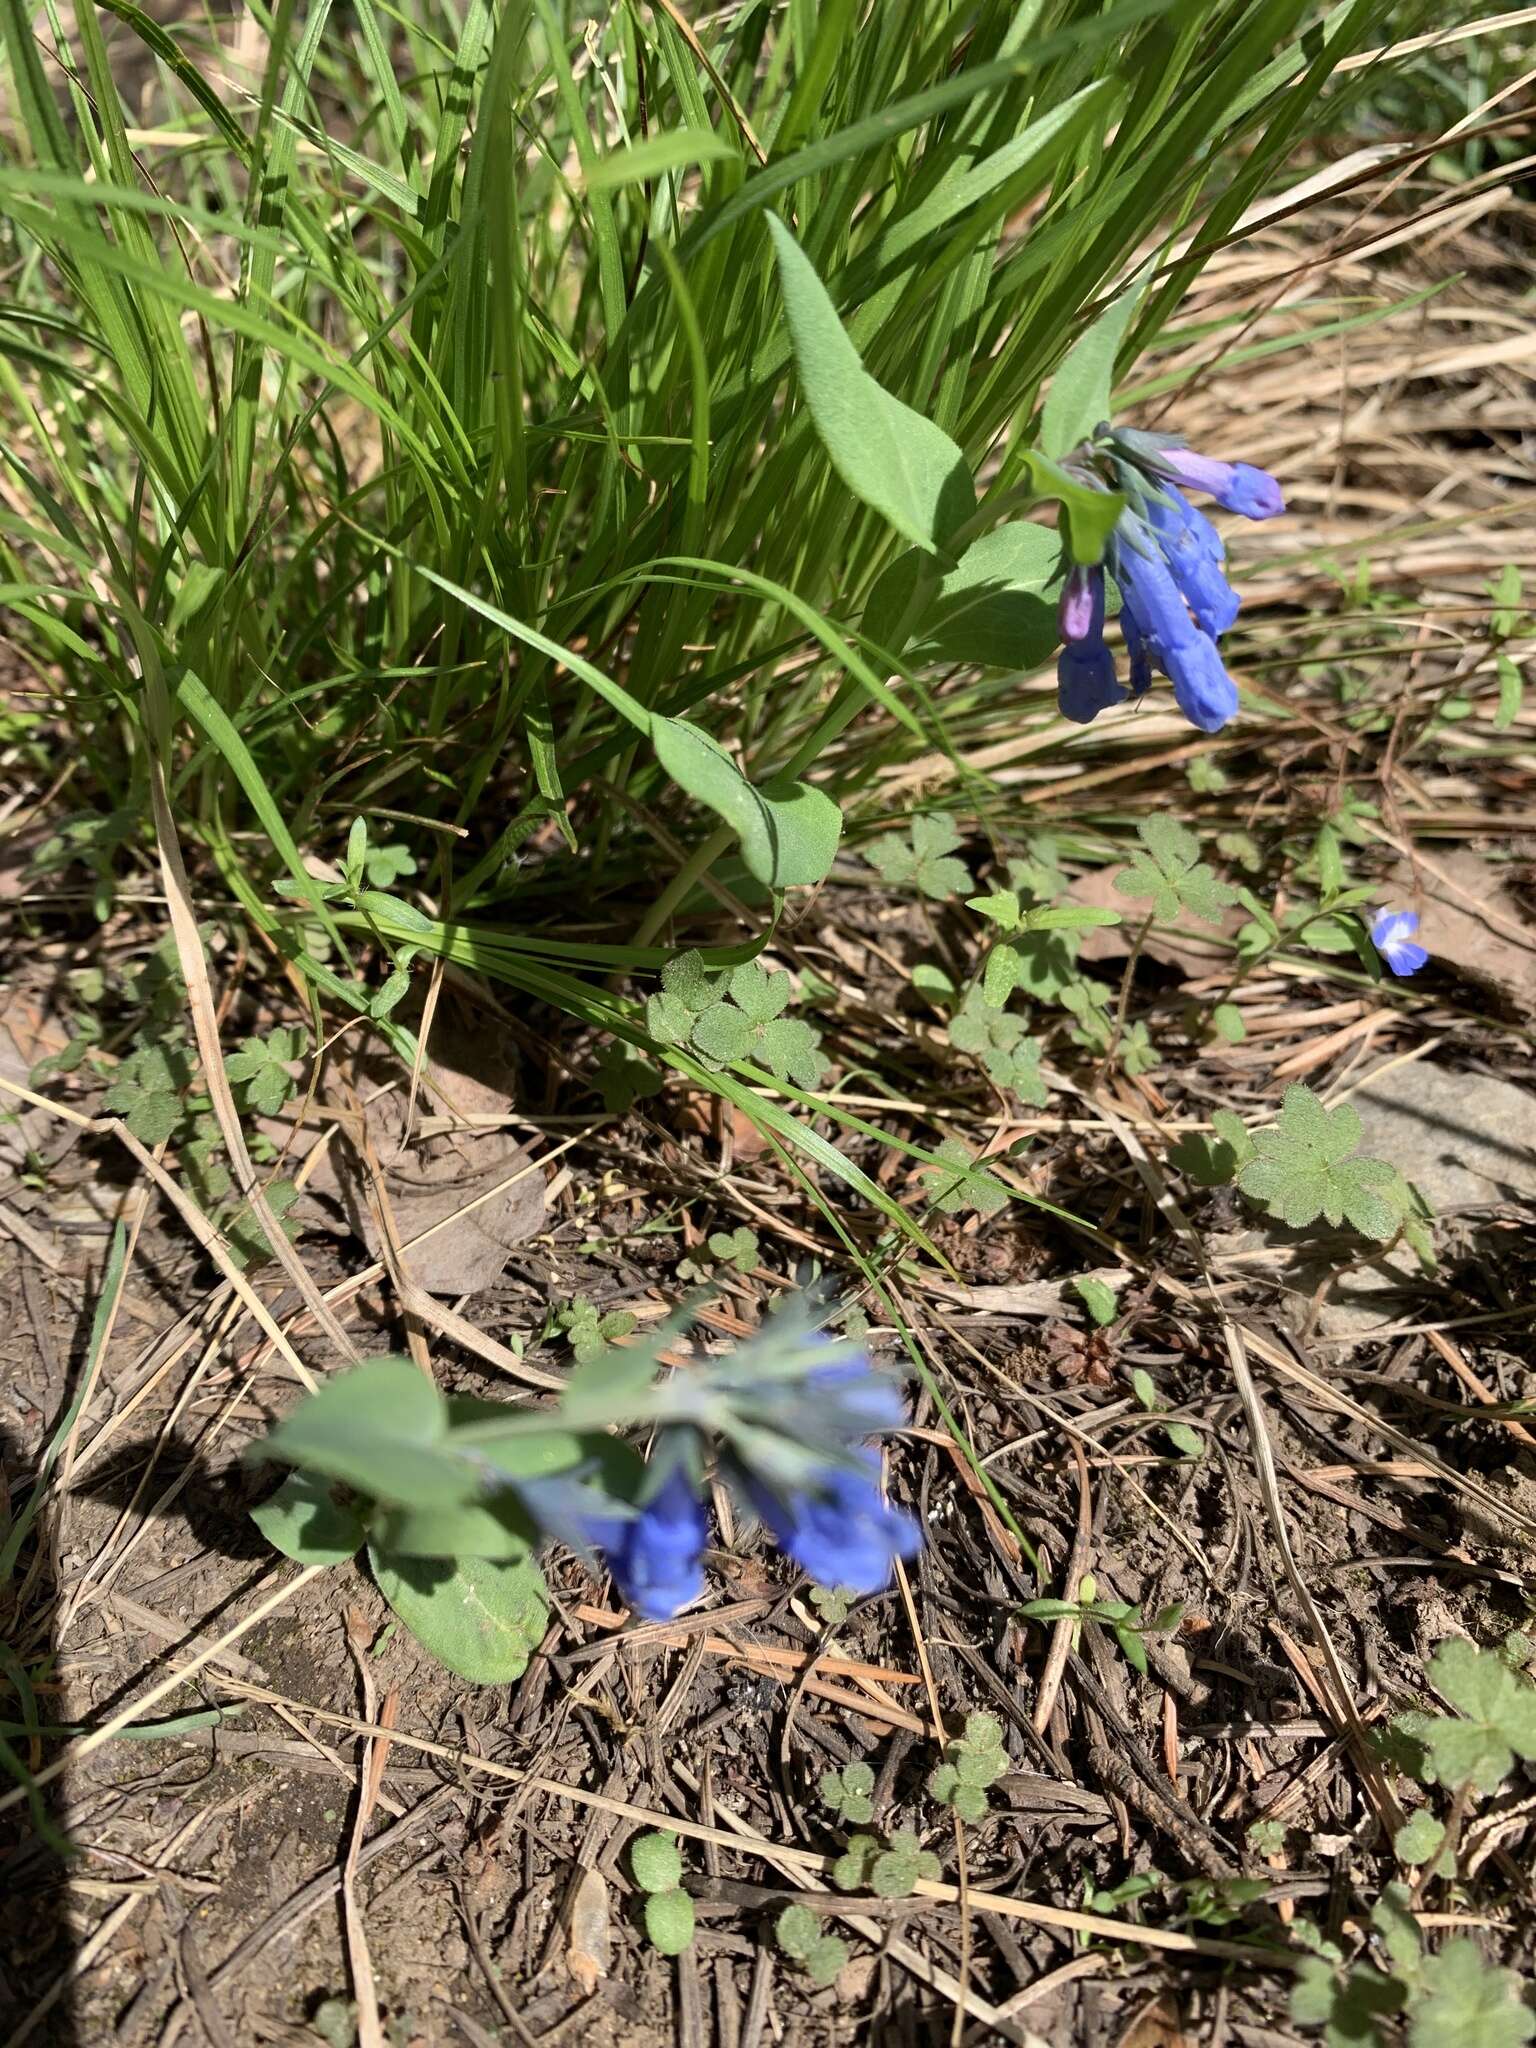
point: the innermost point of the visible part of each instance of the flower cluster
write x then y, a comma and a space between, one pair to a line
792, 1427
1168, 564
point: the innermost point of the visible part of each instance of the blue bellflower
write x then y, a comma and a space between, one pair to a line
1152, 600
1394, 934
657, 1558
843, 1533
1169, 563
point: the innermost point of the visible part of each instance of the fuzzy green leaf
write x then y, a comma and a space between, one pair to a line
669, 1922
961, 1184
481, 1617
1303, 1168
1467, 2002
1167, 871
656, 1862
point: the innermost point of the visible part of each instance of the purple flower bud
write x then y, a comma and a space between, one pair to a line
1086, 683
843, 1534
1081, 611
1393, 934
1236, 486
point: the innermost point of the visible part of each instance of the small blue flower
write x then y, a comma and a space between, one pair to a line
1236, 486
1393, 935
1086, 683
843, 1534
657, 1557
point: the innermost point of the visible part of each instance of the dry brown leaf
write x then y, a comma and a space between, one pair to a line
467, 1180
1470, 921
589, 1942
1157, 2025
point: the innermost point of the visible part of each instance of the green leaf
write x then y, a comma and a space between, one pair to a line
1186, 1441
738, 1248
850, 1873
153, 1119
498, 1530
1167, 872
797, 1930
1303, 1169
261, 1066
847, 1792
1213, 1162
1002, 906
481, 1617
1511, 693
889, 456
383, 1428
923, 858
1506, 590
1078, 402
306, 1523
791, 1050
1419, 1840
1098, 1298
1467, 2002
385, 865
789, 832
656, 1861
669, 1020
1499, 1717
994, 609
826, 1959
761, 995
669, 1922
669, 149
689, 981
723, 1035
959, 1183
1228, 1020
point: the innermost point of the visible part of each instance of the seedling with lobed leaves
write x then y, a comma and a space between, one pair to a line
657, 1867
799, 1935
1397, 1992
972, 1762
726, 1019
846, 1792
890, 1869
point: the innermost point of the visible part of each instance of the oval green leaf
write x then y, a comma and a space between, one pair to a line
481, 1617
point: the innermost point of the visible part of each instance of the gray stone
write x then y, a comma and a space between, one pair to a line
1465, 1140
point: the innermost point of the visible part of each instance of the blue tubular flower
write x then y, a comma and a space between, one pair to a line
1086, 683
1193, 550
1153, 609
1393, 934
657, 1558
1236, 486
843, 1534
1203, 690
